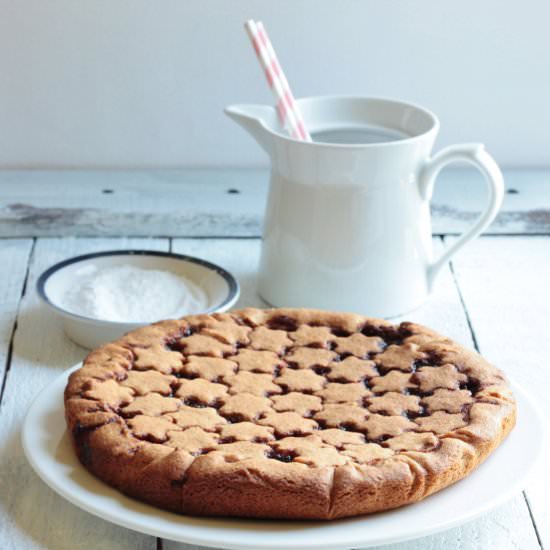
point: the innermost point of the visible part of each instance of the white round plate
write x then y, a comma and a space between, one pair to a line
499, 478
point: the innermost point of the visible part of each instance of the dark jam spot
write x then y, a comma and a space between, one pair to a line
128, 415
283, 322
340, 332
86, 387
194, 402
320, 370
417, 414
383, 369
234, 418
226, 440
405, 329
174, 344
318, 345
244, 322
178, 482
81, 433
472, 384
186, 375
417, 391
432, 359
391, 334
282, 456
348, 427
276, 372
80, 436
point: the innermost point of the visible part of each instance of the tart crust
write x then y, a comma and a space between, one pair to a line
285, 413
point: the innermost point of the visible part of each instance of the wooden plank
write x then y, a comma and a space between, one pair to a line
492, 531
505, 285
143, 203
222, 202
33, 516
14, 258
510, 524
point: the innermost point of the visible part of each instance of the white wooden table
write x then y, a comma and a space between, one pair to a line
495, 297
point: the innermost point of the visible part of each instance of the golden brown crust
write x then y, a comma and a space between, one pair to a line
285, 413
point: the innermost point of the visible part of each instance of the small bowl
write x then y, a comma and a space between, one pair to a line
221, 288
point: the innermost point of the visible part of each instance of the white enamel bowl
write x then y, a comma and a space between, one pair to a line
221, 288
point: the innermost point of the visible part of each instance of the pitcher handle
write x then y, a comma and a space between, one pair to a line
475, 154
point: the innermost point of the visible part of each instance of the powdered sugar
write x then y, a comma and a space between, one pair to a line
132, 294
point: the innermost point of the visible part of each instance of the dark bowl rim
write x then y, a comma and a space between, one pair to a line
229, 278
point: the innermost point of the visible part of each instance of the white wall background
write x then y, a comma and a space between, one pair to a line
116, 83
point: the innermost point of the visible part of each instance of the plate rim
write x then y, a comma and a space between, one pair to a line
428, 529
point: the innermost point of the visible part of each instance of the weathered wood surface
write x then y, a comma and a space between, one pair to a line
223, 203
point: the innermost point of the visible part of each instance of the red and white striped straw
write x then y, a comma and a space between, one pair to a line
287, 108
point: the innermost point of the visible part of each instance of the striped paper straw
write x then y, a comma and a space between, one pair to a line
287, 108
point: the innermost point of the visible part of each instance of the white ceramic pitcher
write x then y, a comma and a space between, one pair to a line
347, 226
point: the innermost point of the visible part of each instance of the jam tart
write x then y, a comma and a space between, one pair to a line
285, 413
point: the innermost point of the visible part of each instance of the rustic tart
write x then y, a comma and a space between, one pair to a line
285, 413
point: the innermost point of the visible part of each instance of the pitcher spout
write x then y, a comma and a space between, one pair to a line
256, 120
